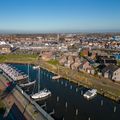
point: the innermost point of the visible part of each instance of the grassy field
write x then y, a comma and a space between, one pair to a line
53, 62
18, 58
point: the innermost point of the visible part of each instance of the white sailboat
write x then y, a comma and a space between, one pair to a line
28, 83
41, 93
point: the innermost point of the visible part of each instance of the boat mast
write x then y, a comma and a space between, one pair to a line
58, 69
28, 72
38, 79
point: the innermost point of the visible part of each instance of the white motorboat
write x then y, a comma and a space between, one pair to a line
27, 84
36, 67
42, 94
90, 94
56, 77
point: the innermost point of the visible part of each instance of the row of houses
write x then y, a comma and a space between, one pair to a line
76, 63
108, 70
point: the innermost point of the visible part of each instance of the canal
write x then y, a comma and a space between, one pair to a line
67, 101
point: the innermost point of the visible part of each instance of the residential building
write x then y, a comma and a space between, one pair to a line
4, 49
47, 56
111, 72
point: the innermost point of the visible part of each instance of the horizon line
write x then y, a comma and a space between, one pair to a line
58, 31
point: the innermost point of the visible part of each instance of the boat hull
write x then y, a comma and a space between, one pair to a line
41, 95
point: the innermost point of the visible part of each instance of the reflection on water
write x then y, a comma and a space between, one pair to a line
67, 102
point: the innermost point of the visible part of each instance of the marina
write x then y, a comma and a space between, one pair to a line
67, 101
60, 60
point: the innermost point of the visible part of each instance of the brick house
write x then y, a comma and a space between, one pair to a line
63, 60
111, 72
86, 67
69, 62
47, 56
85, 52
76, 64
5, 49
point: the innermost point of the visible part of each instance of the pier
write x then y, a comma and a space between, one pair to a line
13, 73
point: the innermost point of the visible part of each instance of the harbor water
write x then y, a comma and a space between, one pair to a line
67, 101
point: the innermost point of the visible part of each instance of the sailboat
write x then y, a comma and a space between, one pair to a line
41, 93
56, 76
28, 83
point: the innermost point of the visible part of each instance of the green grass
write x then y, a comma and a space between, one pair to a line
53, 62
18, 58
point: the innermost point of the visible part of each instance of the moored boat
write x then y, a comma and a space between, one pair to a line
42, 94
56, 77
90, 94
36, 67
27, 84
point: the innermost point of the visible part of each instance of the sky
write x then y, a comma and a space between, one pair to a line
60, 15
